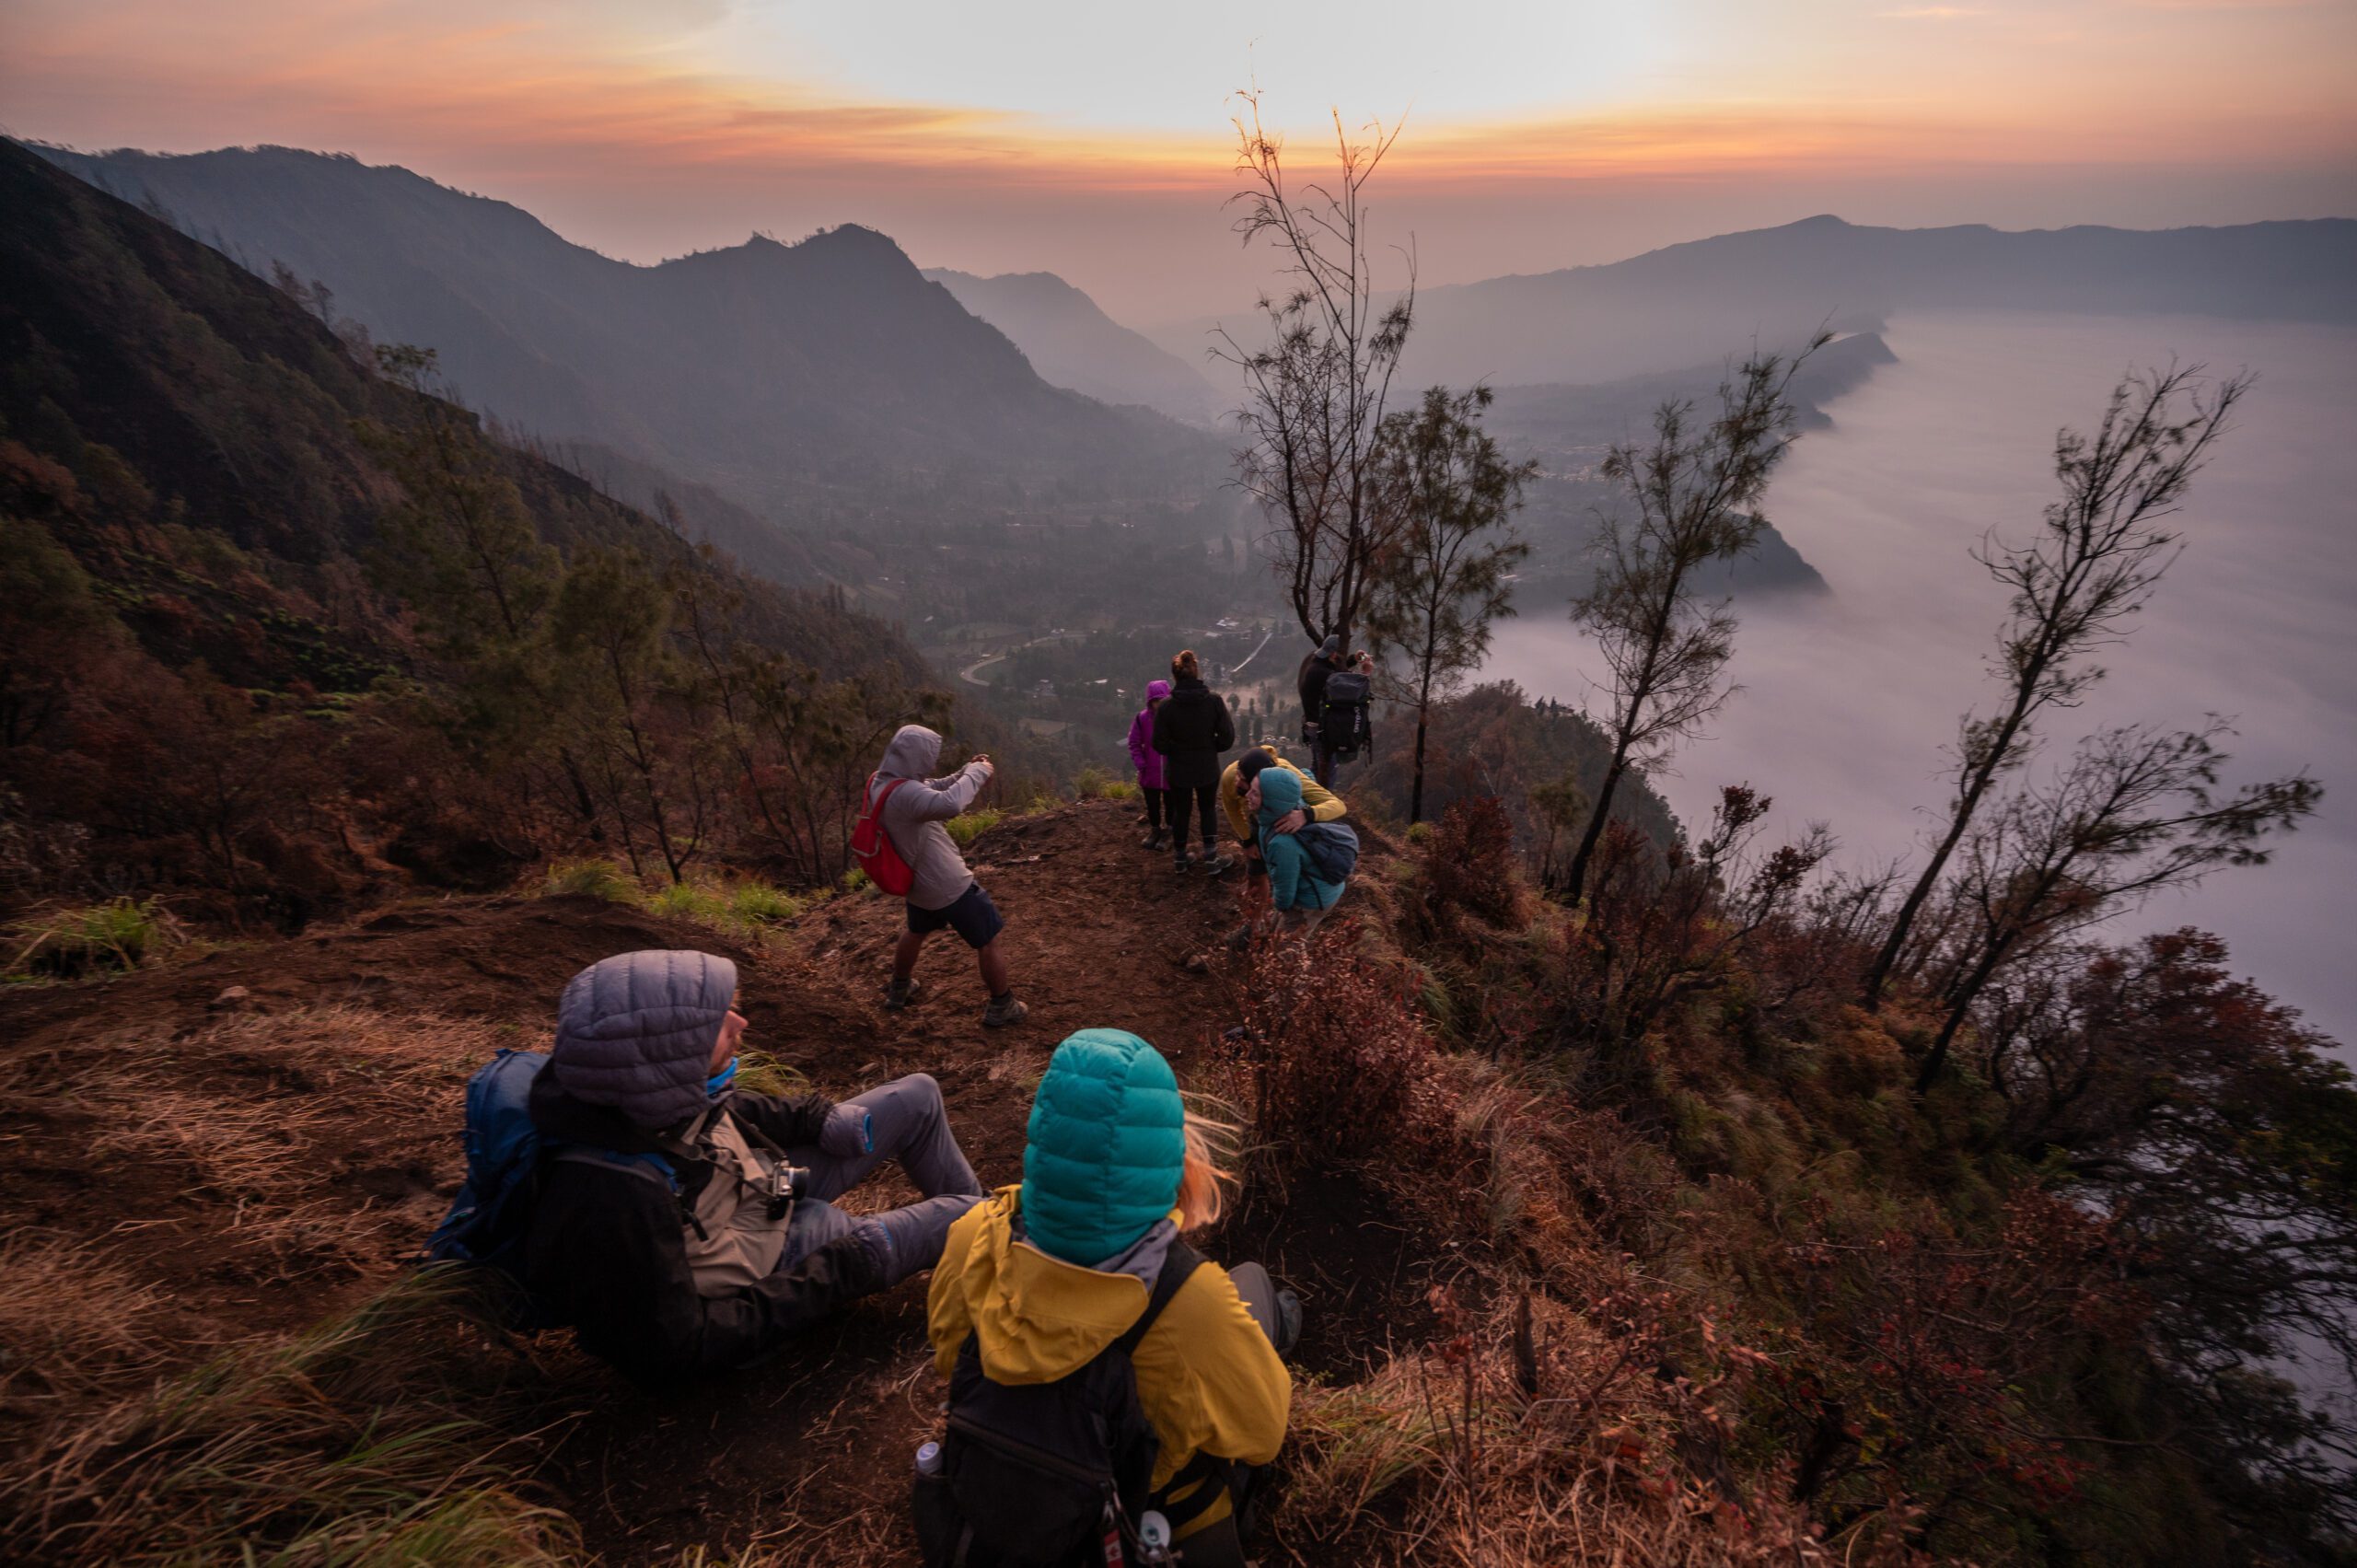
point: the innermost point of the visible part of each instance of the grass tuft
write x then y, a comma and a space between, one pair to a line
965, 829
1096, 784
592, 880
121, 934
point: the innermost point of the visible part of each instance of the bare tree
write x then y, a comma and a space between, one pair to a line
1316, 392
1450, 570
2134, 813
1695, 494
2076, 585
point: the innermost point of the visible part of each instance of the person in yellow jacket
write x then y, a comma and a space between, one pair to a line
1319, 804
1046, 1275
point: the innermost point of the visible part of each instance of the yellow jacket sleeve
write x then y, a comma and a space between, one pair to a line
947, 1321
1231, 800
1322, 804
1209, 1379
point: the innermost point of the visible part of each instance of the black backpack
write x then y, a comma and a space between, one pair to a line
1332, 850
1043, 1475
1343, 724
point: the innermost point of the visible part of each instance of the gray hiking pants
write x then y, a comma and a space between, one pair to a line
911, 1125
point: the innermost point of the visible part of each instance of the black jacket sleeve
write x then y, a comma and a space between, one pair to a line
783, 1120
1225, 732
608, 1254
1161, 728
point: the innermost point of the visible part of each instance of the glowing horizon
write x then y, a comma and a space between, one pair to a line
1063, 137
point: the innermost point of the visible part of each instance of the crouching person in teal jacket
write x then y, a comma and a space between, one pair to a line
1299, 894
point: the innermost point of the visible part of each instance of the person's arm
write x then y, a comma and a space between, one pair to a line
1231, 801
1322, 804
1161, 736
1209, 1379
937, 800
1224, 733
616, 1266
1283, 859
1138, 735
783, 1120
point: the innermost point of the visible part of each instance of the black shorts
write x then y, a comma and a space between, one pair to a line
973, 916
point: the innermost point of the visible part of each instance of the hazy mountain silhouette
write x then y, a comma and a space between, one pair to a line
773, 372
1710, 299
1073, 343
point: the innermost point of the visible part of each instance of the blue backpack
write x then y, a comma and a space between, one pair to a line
487, 1222
1332, 849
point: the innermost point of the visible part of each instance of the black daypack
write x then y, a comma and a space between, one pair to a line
1342, 721
1045, 1475
1332, 849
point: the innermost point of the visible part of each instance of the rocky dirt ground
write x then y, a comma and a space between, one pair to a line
232, 1145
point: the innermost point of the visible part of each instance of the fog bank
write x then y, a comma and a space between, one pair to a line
1849, 700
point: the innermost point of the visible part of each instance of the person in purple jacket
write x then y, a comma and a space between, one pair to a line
1149, 762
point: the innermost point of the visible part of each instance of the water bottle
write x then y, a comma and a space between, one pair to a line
928, 1459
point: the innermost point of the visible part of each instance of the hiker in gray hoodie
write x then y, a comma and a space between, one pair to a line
684, 1226
944, 892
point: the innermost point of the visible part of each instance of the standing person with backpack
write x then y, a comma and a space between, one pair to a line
1148, 763
1316, 671
683, 1226
1070, 1307
1190, 729
903, 812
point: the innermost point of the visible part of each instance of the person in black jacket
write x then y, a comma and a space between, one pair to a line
1316, 671
1190, 729
717, 1263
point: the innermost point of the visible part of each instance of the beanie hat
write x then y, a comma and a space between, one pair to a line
635, 1032
1251, 762
1107, 1142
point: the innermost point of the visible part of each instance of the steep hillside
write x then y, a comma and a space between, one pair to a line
774, 372
1073, 343
1689, 303
278, 631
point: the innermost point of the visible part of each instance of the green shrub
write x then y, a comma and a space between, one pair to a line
757, 903
974, 824
691, 901
856, 880
121, 934
1096, 784
592, 880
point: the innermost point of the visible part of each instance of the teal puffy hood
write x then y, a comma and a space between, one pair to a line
1280, 792
1107, 1142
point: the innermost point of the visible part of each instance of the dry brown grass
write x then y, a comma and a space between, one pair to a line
70, 1319
1578, 1452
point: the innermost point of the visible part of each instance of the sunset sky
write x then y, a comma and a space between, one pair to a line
1092, 139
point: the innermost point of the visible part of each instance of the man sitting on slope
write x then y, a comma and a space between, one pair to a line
717, 1262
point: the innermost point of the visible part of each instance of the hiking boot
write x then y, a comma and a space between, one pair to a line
1217, 865
1183, 863
1002, 1011
900, 993
1158, 839
1288, 1333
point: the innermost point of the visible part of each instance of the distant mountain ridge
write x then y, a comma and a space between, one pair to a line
1072, 343
1708, 298
777, 374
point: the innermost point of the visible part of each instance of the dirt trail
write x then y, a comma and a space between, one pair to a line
129, 1107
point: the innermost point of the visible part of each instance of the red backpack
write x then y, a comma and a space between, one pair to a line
872, 847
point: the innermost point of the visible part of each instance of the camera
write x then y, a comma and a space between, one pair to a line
785, 1183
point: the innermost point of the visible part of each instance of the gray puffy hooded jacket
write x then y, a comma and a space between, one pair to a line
608, 1247
918, 809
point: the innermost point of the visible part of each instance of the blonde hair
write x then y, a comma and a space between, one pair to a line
1183, 666
1204, 1177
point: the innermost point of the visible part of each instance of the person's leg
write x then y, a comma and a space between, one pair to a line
1279, 1317
1181, 822
992, 961
910, 1239
908, 1122
904, 956
1153, 805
